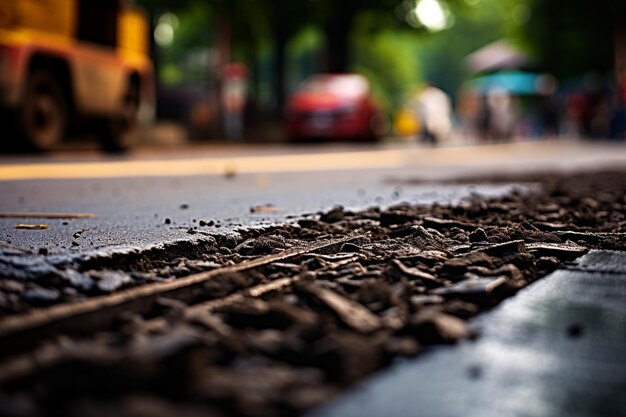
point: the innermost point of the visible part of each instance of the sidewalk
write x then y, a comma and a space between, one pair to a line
555, 349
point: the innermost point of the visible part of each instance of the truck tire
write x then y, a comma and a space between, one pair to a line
43, 115
121, 131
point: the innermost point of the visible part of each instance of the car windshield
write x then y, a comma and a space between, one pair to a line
341, 85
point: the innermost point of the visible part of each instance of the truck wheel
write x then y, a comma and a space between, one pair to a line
42, 117
122, 130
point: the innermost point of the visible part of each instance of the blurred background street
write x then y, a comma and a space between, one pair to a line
245, 207
78, 74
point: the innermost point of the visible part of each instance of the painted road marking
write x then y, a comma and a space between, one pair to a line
351, 160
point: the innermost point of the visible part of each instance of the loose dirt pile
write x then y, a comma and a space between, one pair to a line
287, 334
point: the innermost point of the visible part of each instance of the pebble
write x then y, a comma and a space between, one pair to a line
41, 295
349, 247
478, 235
431, 327
334, 215
10, 285
108, 281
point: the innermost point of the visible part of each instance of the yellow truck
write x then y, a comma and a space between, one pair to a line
64, 62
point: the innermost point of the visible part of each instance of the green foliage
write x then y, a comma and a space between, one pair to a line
195, 24
442, 53
192, 36
388, 58
300, 36
305, 55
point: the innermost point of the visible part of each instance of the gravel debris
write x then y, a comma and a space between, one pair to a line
287, 336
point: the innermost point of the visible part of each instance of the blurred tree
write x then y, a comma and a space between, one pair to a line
576, 36
475, 24
388, 57
337, 18
256, 22
384, 39
179, 27
281, 20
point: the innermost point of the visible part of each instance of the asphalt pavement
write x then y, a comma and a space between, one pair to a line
155, 196
556, 348
139, 212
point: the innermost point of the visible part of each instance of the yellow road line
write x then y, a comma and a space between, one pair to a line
266, 164
202, 166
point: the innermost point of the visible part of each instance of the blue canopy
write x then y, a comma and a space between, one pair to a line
517, 82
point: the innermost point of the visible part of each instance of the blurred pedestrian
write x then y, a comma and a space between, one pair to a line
575, 105
549, 116
484, 118
502, 114
235, 90
436, 112
618, 121
468, 111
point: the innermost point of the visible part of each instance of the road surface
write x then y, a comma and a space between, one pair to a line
553, 349
154, 196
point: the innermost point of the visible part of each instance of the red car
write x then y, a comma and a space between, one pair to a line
333, 106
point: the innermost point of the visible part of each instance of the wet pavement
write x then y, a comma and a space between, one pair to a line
140, 212
555, 349
134, 196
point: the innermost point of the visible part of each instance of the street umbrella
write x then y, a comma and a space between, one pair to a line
513, 82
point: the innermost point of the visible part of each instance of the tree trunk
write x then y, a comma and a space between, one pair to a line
620, 53
223, 48
337, 37
280, 89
